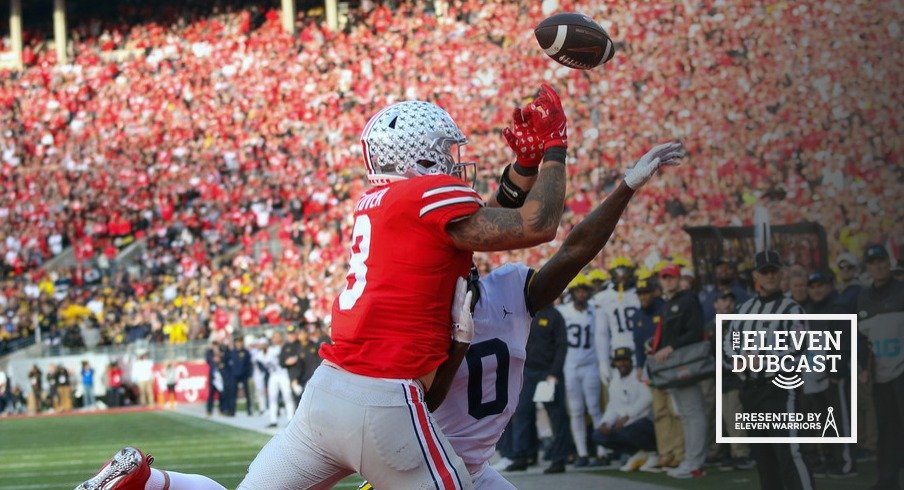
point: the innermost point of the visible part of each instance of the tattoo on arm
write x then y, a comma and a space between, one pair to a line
492, 229
549, 196
489, 229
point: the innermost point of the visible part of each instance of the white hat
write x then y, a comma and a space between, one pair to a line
847, 257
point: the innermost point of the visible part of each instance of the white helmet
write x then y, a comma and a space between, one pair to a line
412, 138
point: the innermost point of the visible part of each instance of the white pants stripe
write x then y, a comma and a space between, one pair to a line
441, 468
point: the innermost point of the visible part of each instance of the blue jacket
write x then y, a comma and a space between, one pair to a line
708, 299
645, 321
847, 298
240, 360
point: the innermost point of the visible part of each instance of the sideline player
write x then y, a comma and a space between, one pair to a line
485, 389
277, 381
614, 310
582, 372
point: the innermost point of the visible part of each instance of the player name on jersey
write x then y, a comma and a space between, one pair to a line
370, 201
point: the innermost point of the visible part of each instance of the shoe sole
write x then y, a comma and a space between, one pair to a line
123, 463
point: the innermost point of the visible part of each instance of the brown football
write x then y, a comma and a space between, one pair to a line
574, 40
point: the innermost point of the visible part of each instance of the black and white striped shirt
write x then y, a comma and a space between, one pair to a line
774, 304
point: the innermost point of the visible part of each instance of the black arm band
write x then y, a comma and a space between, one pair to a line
556, 153
525, 171
509, 195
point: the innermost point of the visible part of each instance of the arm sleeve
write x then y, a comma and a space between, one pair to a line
561, 342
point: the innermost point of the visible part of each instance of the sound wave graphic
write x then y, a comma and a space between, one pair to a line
787, 382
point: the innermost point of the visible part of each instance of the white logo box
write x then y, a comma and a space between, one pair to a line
851, 319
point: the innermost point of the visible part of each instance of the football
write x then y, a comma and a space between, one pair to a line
574, 40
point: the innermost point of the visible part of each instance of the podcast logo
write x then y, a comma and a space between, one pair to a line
797, 354
784, 355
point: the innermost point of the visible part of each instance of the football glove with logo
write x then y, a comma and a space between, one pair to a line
547, 118
524, 141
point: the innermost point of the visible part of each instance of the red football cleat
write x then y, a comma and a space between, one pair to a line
128, 469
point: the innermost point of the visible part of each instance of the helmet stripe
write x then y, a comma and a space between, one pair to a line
370, 165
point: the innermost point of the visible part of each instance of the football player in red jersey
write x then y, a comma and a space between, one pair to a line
363, 411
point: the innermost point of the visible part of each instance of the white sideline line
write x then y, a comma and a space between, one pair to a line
222, 421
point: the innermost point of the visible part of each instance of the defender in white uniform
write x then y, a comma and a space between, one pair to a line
614, 310
487, 384
582, 372
485, 389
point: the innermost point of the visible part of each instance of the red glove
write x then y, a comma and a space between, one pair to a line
523, 140
546, 117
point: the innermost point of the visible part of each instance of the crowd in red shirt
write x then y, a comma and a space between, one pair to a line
220, 130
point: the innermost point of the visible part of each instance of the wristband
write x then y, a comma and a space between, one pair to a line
509, 195
525, 171
556, 153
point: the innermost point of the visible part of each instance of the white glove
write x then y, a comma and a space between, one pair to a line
667, 154
462, 322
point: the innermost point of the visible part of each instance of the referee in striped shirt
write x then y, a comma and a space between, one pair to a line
780, 466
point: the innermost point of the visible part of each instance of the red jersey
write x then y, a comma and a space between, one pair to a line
393, 319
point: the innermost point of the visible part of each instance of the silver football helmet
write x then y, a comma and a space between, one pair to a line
413, 138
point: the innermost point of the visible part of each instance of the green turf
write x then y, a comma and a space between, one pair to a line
61, 452
748, 479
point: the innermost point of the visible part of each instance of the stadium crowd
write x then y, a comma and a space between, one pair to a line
218, 130
230, 149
